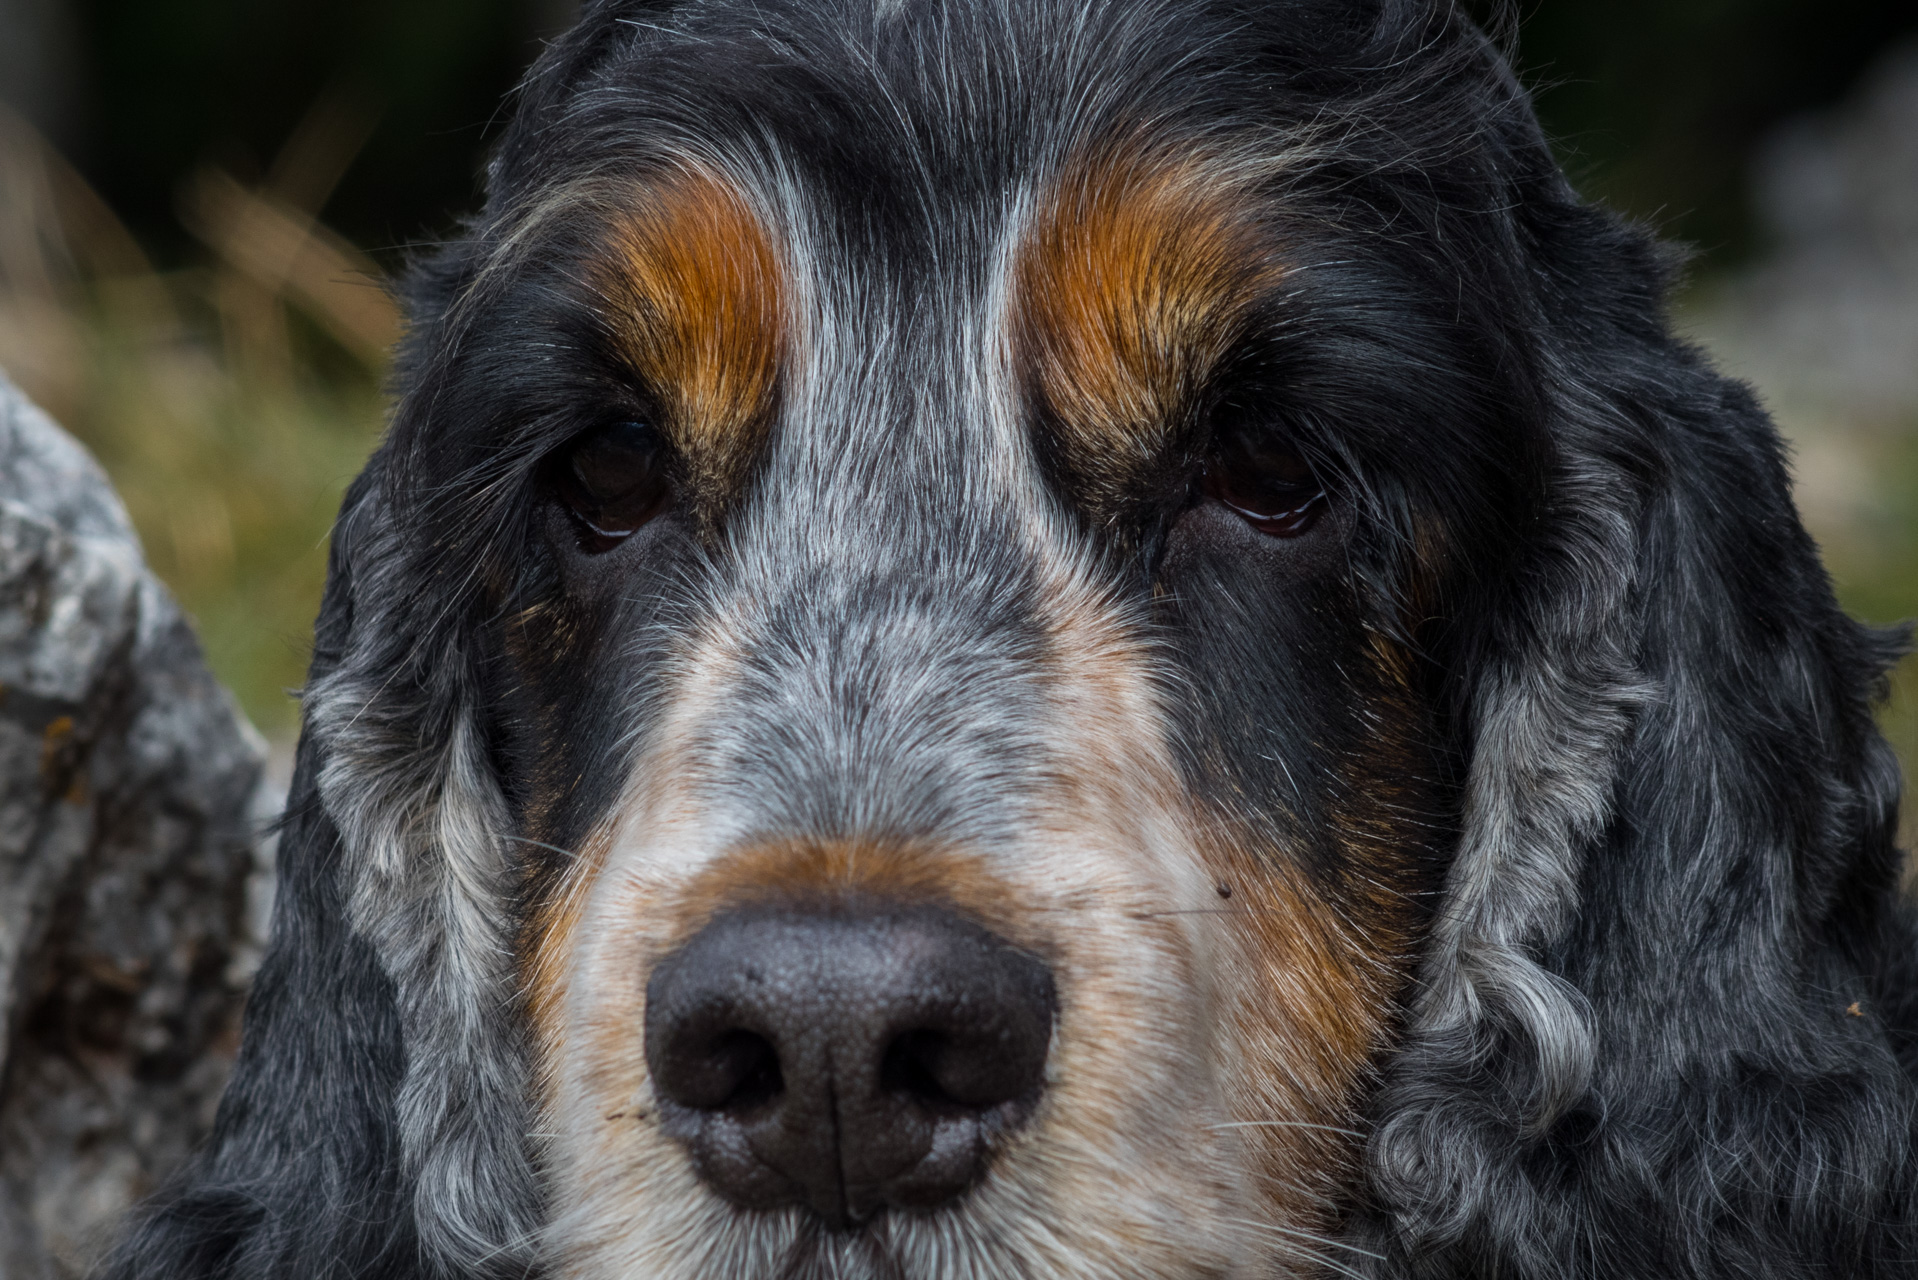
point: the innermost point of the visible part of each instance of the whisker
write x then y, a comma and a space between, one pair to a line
1203, 911
1294, 1246
1317, 1258
541, 844
1317, 1239
518, 1240
1284, 1124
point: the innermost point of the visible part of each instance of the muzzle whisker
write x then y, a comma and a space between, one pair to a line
1295, 1241
1312, 1236
541, 844
1284, 1124
1205, 911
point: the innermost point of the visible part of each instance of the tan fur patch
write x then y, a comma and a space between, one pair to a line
547, 941
1135, 274
1324, 964
1309, 994
697, 299
1305, 983
1305, 977
799, 873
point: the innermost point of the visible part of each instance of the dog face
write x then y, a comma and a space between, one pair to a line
1060, 640
996, 585
925, 548
955, 659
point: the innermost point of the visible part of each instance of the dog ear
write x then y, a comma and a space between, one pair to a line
1655, 1028
302, 1175
375, 1122
425, 880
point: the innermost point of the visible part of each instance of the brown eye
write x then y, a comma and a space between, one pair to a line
613, 479
1264, 483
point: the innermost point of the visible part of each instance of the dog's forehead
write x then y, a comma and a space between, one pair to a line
1099, 290
871, 396
1047, 193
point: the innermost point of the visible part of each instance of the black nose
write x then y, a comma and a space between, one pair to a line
846, 1059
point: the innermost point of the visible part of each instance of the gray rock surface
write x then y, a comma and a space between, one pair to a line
130, 807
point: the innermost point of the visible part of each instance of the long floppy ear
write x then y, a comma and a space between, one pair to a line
376, 1120
1659, 1026
424, 879
302, 1175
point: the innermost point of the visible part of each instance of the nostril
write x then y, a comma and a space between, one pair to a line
911, 1067
733, 1070
755, 1062
973, 1072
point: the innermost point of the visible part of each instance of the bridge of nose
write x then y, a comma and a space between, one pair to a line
882, 607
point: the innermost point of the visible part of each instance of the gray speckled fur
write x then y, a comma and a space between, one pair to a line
425, 836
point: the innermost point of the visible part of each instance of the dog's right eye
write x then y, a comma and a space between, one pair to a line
613, 479
1263, 481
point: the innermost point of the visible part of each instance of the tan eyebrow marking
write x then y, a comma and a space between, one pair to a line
696, 296
1137, 270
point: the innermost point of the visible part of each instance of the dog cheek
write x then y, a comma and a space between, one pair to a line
610, 1166
1137, 1119
1304, 1015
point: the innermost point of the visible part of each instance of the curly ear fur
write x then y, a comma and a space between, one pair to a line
1633, 1053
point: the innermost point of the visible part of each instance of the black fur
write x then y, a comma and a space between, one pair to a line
1690, 1020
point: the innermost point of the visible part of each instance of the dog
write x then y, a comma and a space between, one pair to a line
1065, 638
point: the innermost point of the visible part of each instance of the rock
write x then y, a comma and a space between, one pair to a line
130, 805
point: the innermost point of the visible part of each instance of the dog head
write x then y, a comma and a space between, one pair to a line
1040, 640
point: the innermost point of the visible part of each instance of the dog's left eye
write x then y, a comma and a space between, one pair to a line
1264, 482
613, 479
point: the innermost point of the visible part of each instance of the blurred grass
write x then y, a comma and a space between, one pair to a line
232, 483
233, 401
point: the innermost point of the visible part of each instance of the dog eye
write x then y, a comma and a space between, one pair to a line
613, 479
1264, 482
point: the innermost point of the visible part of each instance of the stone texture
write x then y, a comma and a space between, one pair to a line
130, 806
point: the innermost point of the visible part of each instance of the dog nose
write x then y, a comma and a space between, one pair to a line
845, 1059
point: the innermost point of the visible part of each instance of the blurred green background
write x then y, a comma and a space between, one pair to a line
199, 200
